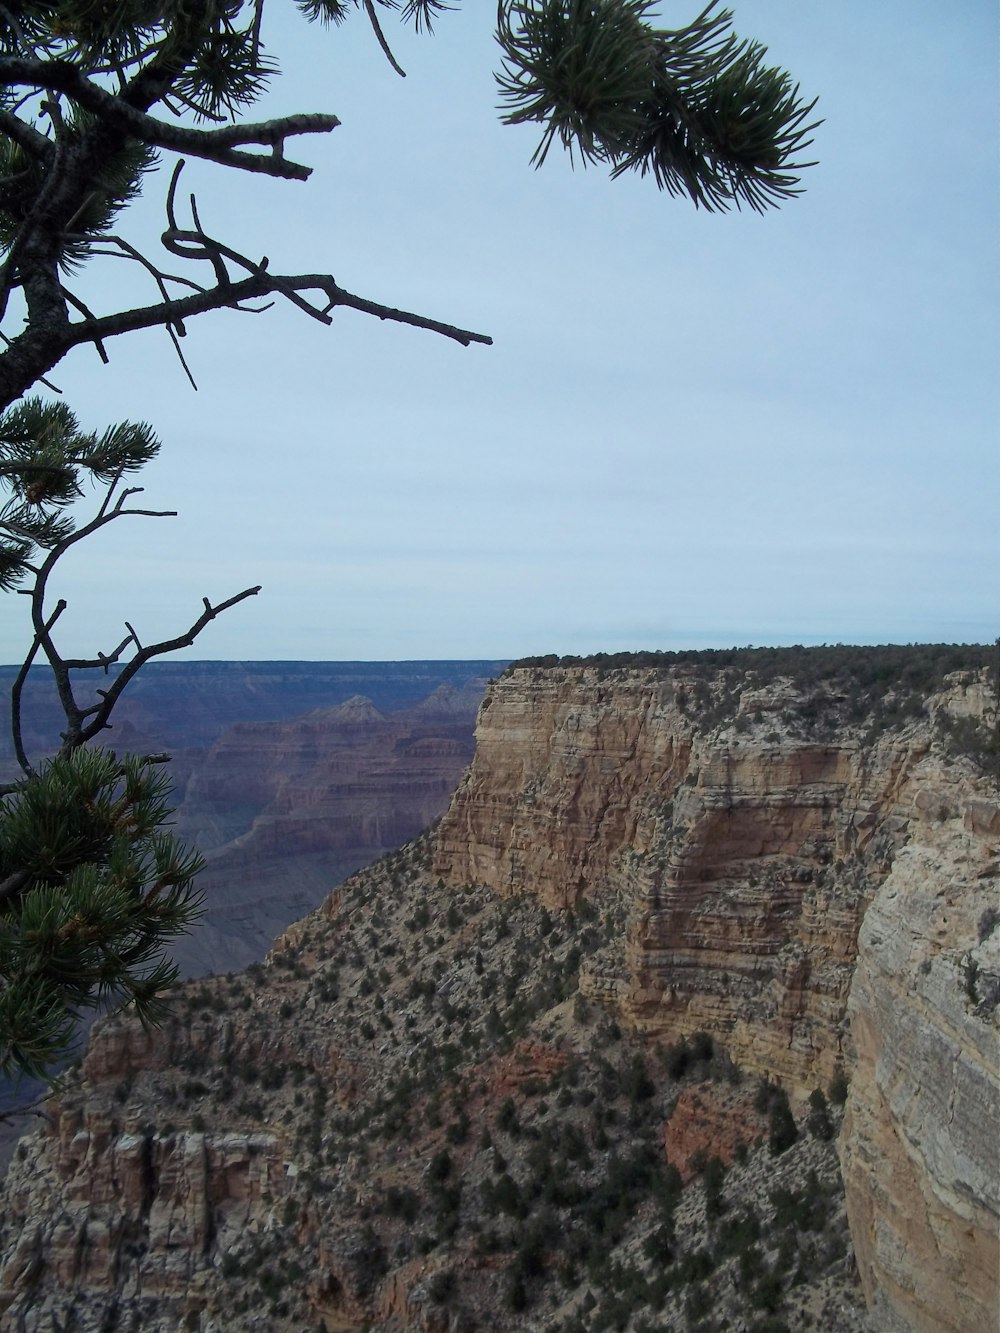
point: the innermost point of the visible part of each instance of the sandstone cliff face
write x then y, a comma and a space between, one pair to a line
921, 1141
744, 856
745, 868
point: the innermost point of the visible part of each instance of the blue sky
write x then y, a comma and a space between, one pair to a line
691, 429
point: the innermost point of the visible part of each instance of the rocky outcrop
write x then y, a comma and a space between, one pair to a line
712, 1120
745, 856
920, 1148
746, 867
139, 1209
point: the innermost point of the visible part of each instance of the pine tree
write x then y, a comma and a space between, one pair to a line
92, 886
94, 96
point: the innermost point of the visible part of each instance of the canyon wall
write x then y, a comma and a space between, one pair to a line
921, 1140
747, 856
744, 854
283, 811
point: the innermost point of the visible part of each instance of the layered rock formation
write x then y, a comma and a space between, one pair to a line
745, 865
921, 1142
745, 856
675, 855
285, 810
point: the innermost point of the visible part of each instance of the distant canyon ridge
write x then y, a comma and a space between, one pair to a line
289, 776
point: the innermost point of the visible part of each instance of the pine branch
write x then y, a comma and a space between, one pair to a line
40, 348
215, 145
100, 713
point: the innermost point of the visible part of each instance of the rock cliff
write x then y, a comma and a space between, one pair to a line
744, 854
746, 857
448, 1100
921, 1142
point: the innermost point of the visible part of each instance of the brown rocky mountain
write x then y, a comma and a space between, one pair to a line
561, 1064
283, 811
289, 776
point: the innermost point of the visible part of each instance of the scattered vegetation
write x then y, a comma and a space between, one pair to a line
881, 688
496, 1113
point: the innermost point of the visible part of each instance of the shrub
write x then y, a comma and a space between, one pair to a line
702, 1046
442, 1286
637, 1085
517, 1294
820, 1124
507, 1117
713, 1176
402, 1202
678, 1059
782, 1131
439, 1167
987, 923
370, 1261
838, 1088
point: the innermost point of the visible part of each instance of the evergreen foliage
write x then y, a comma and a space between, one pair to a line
44, 460
696, 107
91, 889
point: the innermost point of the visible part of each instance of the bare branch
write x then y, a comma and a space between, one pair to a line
102, 712
17, 690
82, 724
38, 349
128, 251
84, 310
373, 19
112, 487
74, 715
175, 332
102, 660
219, 145
29, 1108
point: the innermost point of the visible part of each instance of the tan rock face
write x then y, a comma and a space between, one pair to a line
745, 864
110, 1204
921, 1147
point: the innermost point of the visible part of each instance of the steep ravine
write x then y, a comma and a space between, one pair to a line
325, 1142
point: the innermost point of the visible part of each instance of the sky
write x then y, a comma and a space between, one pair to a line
691, 430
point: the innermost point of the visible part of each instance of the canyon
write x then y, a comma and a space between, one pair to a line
477, 1087
288, 776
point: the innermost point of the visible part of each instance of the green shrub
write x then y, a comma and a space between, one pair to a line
441, 1287
782, 1131
439, 1167
819, 1123
838, 1088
